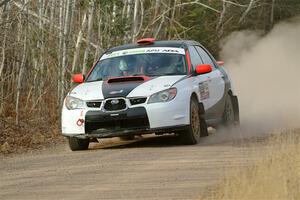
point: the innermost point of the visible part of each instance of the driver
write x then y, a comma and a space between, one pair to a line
123, 67
128, 66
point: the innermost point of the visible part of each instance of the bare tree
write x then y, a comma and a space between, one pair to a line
250, 5
65, 47
272, 14
135, 20
78, 43
89, 35
21, 69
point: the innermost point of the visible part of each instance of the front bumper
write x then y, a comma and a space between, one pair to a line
141, 119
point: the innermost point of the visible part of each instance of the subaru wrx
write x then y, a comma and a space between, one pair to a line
149, 87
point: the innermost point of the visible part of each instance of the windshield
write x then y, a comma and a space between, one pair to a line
148, 64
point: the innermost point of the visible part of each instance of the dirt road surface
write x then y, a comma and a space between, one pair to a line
148, 168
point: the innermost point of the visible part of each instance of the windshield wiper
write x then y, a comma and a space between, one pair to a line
138, 75
98, 79
166, 74
172, 74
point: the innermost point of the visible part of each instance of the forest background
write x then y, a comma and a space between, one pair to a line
44, 42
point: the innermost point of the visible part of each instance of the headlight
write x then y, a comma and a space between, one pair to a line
163, 96
74, 103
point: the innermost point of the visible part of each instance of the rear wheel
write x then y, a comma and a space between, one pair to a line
230, 115
193, 133
78, 144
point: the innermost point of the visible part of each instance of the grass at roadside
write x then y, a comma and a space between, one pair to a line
275, 175
29, 134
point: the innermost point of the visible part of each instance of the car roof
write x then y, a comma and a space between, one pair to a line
158, 43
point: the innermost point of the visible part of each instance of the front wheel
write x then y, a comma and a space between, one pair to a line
78, 144
193, 133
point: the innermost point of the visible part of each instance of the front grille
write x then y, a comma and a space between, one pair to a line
138, 100
93, 104
132, 118
119, 124
115, 105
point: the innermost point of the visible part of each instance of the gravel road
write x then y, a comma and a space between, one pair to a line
147, 168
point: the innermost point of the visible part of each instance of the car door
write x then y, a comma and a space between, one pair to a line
200, 82
216, 84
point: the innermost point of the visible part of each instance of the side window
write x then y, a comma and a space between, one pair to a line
195, 58
205, 57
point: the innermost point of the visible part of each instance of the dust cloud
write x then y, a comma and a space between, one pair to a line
265, 70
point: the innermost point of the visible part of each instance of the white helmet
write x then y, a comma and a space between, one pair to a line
123, 65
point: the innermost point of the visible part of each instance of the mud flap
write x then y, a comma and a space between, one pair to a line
236, 110
94, 140
203, 125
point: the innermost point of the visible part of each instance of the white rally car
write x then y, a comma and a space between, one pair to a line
149, 87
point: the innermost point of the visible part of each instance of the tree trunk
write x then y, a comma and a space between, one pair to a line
246, 11
172, 21
156, 8
21, 70
135, 21
89, 35
126, 37
219, 27
60, 46
5, 18
78, 43
272, 14
65, 48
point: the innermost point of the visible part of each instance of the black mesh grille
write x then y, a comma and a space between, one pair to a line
131, 118
138, 101
115, 104
93, 104
120, 124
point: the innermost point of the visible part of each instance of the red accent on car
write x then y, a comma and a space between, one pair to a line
78, 78
220, 63
145, 41
80, 122
203, 69
188, 59
128, 79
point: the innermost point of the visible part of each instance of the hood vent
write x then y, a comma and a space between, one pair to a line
127, 79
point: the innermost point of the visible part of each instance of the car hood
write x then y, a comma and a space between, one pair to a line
101, 89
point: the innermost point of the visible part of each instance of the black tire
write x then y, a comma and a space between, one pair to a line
78, 144
193, 133
231, 113
203, 126
127, 137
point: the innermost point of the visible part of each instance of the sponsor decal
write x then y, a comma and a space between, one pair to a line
116, 92
204, 90
168, 50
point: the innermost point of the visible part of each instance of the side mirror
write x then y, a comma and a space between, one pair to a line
203, 69
220, 63
77, 78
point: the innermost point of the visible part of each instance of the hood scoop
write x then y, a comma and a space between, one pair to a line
128, 79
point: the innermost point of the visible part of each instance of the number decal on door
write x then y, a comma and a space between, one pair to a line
204, 90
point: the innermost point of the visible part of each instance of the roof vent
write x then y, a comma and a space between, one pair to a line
145, 41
